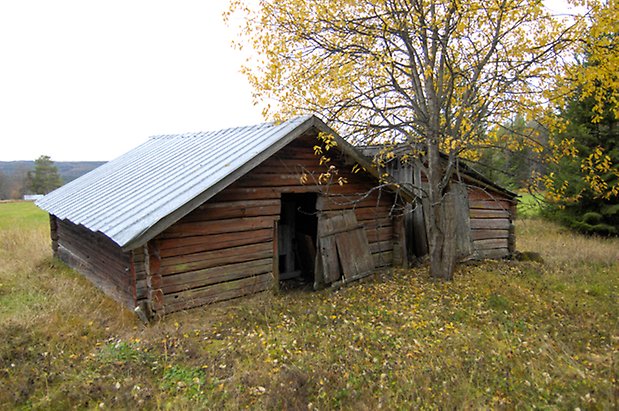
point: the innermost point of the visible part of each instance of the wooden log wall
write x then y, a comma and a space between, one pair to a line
99, 259
492, 217
225, 248
53, 233
491, 213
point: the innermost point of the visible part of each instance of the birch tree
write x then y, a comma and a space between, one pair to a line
435, 74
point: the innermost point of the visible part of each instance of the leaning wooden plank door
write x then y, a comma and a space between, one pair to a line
326, 258
344, 247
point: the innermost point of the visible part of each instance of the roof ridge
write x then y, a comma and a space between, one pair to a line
210, 133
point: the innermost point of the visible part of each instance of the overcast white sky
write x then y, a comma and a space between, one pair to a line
89, 80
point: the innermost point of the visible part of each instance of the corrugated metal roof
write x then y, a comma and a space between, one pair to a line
134, 197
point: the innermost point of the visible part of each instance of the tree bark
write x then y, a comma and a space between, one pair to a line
441, 221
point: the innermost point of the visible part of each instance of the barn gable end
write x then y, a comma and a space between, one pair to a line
228, 246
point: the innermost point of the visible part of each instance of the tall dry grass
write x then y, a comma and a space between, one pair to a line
558, 245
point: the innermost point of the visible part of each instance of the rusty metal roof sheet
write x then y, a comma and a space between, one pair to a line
133, 198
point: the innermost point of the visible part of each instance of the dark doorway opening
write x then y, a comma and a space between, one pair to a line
297, 237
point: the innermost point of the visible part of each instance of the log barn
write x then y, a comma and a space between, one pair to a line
485, 211
190, 219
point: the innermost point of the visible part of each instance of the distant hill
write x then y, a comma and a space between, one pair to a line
68, 170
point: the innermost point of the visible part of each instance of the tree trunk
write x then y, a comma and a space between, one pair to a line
441, 221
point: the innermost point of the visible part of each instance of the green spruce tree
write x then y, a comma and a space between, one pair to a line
584, 209
44, 178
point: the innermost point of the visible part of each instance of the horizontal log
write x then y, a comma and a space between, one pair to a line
138, 258
141, 273
81, 264
298, 189
190, 245
376, 223
197, 261
200, 278
485, 213
233, 209
114, 262
303, 151
487, 234
214, 205
494, 253
490, 204
141, 289
348, 202
490, 243
490, 223
258, 179
217, 227
101, 241
236, 193
475, 193
295, 167
367, 213
118, 292
218, 292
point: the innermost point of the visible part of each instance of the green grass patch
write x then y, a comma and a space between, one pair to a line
503, 334
21, 215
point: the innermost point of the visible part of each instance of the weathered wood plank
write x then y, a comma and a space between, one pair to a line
233, 209
354, 252
476, 193
381, 246
328, 226
101, 280
218, 227
460, 204
79, 234
141, 289
198, 261
490, 224
94, 252
330, 266
214, 275
195, 244
217, 292
383, 259
485, 213
272, 180
400, 251
296, 167
487, 234
373, 212
336, 202
379, 234
493, 253
490, 204
372, 223
236, 193
490, 243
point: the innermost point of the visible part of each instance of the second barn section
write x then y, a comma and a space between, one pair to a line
190, 219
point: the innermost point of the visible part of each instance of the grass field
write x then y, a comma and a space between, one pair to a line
503, 334
20, 214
